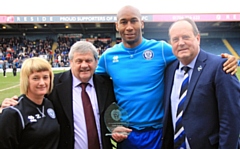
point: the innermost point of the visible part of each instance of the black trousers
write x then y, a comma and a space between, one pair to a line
4, 72
14, 71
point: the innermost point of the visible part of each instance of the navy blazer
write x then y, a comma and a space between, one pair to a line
212, 107
61, 98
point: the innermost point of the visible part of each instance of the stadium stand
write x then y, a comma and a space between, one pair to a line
235, 43
214, 45
16, 49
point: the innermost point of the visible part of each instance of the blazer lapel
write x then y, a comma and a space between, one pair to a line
197, 71
169, 83
64, 90
101, 90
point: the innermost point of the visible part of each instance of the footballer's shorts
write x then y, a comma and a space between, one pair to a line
148, 138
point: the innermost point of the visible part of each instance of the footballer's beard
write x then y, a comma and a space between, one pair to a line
132, 41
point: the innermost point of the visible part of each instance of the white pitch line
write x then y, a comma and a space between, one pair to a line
9, 88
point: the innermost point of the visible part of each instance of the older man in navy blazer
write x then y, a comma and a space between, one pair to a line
211, 109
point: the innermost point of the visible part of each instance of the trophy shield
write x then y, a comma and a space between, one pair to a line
116, 117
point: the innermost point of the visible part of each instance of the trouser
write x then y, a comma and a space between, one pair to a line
14, 71
4, 72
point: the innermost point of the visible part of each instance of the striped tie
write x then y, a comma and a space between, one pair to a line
179, 136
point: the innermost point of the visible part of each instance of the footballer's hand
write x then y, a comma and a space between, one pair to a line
120, 133
231, 65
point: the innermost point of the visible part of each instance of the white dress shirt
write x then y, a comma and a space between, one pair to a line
80, 130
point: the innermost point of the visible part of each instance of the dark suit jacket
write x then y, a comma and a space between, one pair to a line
211, 110
61, 98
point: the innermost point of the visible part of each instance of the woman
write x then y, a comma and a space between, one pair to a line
32, 122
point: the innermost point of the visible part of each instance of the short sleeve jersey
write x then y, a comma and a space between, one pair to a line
138, 74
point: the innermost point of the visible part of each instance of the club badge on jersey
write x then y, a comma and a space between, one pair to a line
148, 54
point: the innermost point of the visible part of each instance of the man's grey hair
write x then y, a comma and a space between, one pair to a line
83, 47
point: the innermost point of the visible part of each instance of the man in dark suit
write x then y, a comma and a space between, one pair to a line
67, 100
62, 100
83, 61
209, 118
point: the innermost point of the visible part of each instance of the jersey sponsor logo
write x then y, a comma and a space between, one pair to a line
148, 54
115, 59
38, 116
51, 113
32, 119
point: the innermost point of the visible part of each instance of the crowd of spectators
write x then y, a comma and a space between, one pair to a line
14, 50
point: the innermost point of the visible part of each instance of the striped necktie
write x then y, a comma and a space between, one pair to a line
179, 135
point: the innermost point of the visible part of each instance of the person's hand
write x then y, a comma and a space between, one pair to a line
231, 65
9, 102
120, 133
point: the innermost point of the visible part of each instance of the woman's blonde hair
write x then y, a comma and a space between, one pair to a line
30, 66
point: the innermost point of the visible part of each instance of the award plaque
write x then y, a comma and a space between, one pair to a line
116, 117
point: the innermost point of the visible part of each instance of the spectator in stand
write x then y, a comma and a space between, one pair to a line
1, 54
